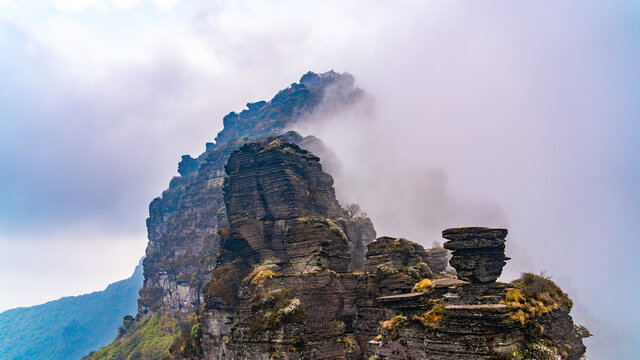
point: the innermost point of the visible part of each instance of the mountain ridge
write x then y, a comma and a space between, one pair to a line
69, 327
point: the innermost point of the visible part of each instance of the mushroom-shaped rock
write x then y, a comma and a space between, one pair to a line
478, 253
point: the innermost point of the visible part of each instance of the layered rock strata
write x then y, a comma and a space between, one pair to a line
479, 318
393, 266
478, 253
283, 283
437, 259
183, 223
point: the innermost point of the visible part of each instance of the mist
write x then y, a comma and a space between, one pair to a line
525, 124
513, 114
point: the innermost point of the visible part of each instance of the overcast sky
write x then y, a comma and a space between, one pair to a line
529, 106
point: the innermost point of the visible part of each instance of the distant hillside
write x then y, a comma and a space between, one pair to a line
71, 327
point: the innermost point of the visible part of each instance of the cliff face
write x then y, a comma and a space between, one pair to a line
284, 285
475, 317
183, 223
250, 256
285, 273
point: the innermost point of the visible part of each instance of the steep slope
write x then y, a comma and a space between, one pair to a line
284, 287
187, 222
285, 278
251, 256
183, 224
71, 327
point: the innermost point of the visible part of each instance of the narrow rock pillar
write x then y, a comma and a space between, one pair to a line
478, 253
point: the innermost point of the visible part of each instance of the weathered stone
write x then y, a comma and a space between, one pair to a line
437, 259
183, 223
283, 281
285, 227
458, 320
478, 253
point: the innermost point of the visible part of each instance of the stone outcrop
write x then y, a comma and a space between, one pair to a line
393, 266
437, 259
281, 206
250, 250
478, 253
478, 318
183, 223
284, 282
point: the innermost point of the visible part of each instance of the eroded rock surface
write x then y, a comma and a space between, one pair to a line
478, 253
284, 277
437, 259
183, 223
479, 318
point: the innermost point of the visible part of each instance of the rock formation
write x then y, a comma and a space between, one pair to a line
251, 253
183, 223
284, 286
478, 253
476, 318
284, 282
437, 259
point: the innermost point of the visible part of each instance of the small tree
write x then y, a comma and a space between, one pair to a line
354, 211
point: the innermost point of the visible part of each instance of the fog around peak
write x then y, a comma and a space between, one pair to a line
514, 114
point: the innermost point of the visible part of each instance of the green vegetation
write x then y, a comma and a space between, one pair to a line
534, 296
533, 351
225, 281
147, 340
348, 342
186, 345
514, 296
71, 327
260, 275
196, 330
272, 309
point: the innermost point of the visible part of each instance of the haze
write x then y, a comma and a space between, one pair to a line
523, 114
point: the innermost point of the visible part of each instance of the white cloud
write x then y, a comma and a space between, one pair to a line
529, 105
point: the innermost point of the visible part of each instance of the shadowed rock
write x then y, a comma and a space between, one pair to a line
478, 253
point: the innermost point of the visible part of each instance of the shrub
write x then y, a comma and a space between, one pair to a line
224, 233
288, 311
196, 330
393, 325
422, 286
148, 339
273, 309
534, 296
514, 295
187, 345
431, 318
225, 281
260, 275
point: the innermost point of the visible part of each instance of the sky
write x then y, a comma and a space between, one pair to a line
524, 110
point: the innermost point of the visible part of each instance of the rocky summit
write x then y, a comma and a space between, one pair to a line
183, 223
251, 256
286, 275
